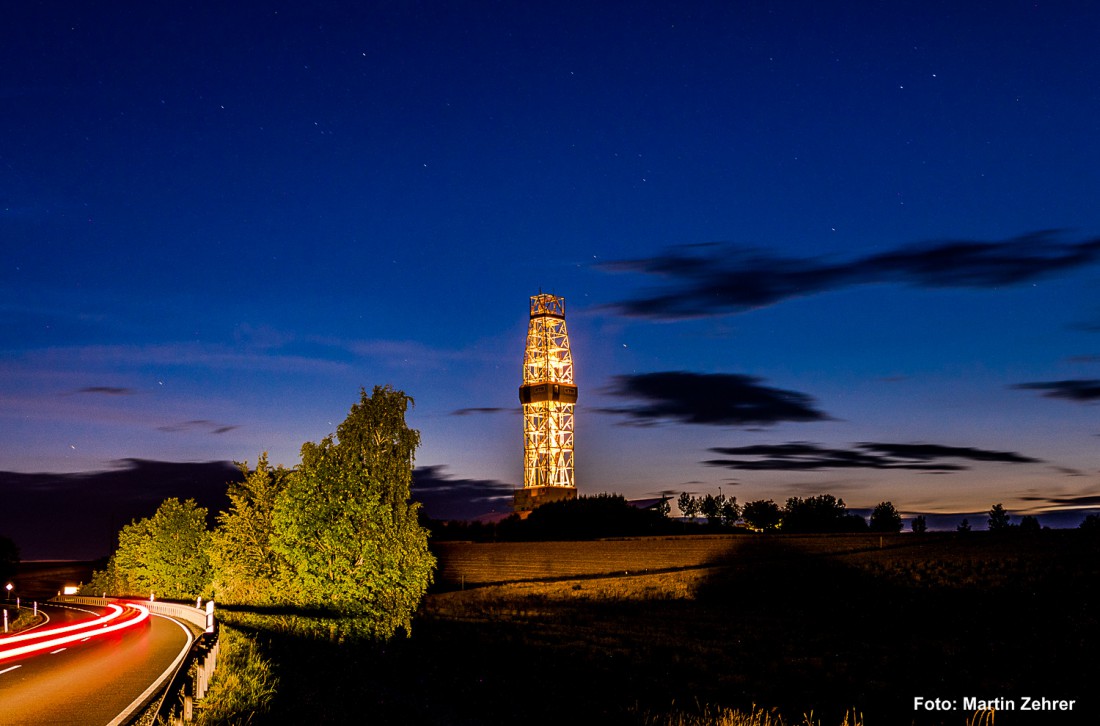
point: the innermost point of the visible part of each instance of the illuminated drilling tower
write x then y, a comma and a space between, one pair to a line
548, 397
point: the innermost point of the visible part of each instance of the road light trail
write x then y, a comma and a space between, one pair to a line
140, 614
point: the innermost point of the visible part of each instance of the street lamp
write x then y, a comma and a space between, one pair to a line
8, 587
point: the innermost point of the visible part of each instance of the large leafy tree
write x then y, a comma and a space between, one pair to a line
165, 554
823, 513
247, 568
345, 526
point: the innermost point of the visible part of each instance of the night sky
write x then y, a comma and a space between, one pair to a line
805, 247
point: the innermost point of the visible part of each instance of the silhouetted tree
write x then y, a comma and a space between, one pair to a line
919, 524
762, 514
1029, 524
587, 517
1091, 524
711, 508
689, 505
964, 526
730, 511
885, 518
998, 518
823, 513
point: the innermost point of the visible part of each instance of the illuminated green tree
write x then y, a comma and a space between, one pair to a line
346, 528
165, 555
247, 568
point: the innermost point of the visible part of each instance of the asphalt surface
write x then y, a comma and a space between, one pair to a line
87, 682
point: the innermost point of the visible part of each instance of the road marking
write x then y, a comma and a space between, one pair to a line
124, 717
7, 670
55, 652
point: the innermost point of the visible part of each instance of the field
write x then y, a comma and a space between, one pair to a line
651, 630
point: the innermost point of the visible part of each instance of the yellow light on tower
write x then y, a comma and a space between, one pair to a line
548, 395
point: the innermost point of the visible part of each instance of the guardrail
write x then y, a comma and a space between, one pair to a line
203, 618
192, 679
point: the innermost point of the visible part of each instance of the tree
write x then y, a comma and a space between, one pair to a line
885, 518
345, 525
246, 567
998, 518
1030, 524
762, 514
919, 524
9, 559
689, 505
165, 555
711, 508
1091, 524
823, 513
964, 526
731, 512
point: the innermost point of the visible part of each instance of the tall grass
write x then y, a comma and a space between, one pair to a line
718, 716
243, 685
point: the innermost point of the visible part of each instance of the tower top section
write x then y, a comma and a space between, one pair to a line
547, 304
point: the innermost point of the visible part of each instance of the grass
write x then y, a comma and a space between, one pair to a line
808, 625
244, 682
717, 716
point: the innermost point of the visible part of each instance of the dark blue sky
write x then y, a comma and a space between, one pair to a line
793, 238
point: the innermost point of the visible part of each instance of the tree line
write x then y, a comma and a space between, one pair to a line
336, 536
822, 513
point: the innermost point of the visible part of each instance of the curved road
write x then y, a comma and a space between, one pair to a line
91, 682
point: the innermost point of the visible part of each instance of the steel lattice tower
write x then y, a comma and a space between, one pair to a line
548, 396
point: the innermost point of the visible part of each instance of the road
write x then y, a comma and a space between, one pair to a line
91, 682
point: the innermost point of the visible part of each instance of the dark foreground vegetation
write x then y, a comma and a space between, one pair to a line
823, 623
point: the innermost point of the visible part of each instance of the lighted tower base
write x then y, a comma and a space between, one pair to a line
529, 498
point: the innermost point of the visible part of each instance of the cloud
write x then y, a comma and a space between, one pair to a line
1083, 359
1079, 390
805, 456
106, 390
1078, 502
198, 425
714, 399
469, 411
447, 498
708, 280
78, 515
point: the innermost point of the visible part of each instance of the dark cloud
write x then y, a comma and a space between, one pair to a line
1079, 502
106, 390
805, 456
707, 280
198, 425
1071, 390
447, 498
469, 411
716, 399
78, 515
1083, 359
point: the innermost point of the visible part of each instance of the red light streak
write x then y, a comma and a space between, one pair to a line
140, 614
